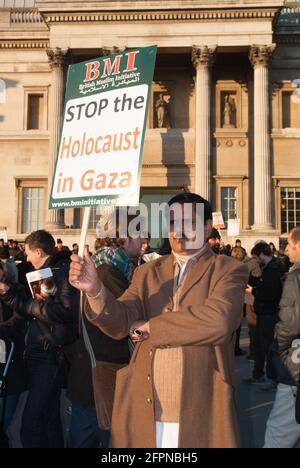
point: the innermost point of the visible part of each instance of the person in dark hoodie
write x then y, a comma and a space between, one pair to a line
51, 323
267, 291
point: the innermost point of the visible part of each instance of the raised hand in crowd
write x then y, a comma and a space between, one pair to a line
83, 274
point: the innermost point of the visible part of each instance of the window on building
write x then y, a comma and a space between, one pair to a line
290, 208
32, 206
35, 112
290, 111
95, 216
229, 203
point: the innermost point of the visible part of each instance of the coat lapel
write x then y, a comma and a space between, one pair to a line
197, 271
165, 269
165, 273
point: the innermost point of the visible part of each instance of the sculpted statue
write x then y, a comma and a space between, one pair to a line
227, 112
161, 108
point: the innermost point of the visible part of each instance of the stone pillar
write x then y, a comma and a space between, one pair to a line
58, 60
203, 59
260, 57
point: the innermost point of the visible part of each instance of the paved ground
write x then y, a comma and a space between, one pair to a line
253, 406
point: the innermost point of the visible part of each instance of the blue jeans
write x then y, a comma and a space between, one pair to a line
84, 431
41, 422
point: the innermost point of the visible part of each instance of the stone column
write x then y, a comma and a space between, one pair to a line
203, 60
260, 57
58, 60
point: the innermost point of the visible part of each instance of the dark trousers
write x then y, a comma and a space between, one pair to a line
10, 406
238, 334
237, 340
252, 337
264, 336
41, 422
251, 319
84, 431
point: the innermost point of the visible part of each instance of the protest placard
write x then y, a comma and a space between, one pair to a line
100, 152
99, 158
218, 220
233, 229
3, 233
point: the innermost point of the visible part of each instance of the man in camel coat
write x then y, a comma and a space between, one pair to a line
183, 311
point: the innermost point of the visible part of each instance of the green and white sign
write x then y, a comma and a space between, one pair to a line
100, 153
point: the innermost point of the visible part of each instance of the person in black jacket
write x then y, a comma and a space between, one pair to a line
12, 330
51, 323
282, 428
267, 292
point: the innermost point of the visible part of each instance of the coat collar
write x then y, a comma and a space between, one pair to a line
197, 270
165, 270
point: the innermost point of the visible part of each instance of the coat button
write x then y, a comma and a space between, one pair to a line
149, 377
149, 401
151, 353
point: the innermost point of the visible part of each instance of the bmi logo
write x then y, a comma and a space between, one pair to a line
93, 70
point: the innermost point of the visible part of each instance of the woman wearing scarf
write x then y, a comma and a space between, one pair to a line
115, 268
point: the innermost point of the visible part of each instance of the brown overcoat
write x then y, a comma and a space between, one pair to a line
209, 313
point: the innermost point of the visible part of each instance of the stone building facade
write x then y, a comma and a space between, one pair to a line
228, 72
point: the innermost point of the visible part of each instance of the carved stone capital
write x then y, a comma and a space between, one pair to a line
261, 55
58, 57
203, 56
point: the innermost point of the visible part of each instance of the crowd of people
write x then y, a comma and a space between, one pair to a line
144, 349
